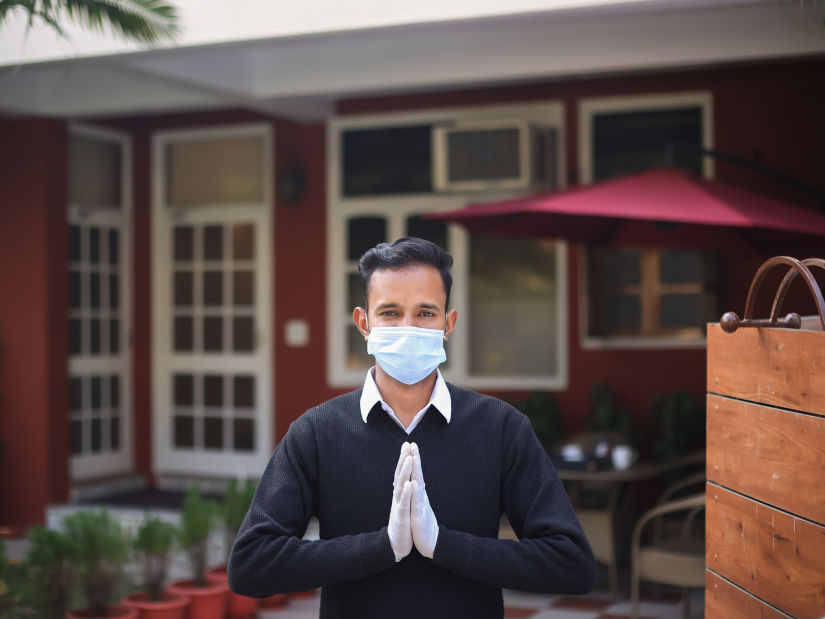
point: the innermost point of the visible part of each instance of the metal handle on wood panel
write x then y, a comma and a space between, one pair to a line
730, 321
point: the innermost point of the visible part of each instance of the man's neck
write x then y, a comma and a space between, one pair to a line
404, 400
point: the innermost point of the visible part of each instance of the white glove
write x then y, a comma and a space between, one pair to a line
424, 524
399, 525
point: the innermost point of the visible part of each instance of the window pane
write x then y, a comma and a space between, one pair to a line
114, 247
213, 390
363, 233
243, 328
213, 333
244, 436
628, 142
114, 291
76, 394
96, 393
243, 286
357, 356
94, 245
75, 336
355, 294
184, 243
114, 391
213, 432
514, 298
244, 392
184, 385
184, 286
680, 267
213, 288
114, 431
94, 172
386, 161
486, 154
75, 254
431, 230
76, 431
680, 311
622, 313
184, 327
621, 267
114, 336
184, 431
97, 435
75, 291
243, 242
213, 243
94, 290
94, 336
215, 171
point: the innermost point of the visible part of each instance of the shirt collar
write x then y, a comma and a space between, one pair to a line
440, 397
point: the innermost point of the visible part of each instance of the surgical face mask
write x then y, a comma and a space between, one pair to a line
408, 354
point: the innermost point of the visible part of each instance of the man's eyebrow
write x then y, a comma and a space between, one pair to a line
386, 306
428, 306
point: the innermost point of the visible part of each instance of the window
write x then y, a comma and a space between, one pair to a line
650, 292
510, 293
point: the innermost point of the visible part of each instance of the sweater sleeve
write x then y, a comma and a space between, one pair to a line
552, 554
269, 556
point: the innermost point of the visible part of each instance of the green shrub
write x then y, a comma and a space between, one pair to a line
677, 420
197, 520
51, 565
236, 502
153, 546
542, 410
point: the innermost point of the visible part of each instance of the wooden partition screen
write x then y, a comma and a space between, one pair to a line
765, 512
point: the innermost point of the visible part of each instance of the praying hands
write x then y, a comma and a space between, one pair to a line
412, 520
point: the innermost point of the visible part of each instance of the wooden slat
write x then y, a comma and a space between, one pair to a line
779, 367
726, 601
773, 455
775, 556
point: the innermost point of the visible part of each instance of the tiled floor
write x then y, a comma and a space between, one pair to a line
520, 605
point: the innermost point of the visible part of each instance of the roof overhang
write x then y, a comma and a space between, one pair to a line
301, 74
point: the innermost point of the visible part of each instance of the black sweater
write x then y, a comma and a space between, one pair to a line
486, 461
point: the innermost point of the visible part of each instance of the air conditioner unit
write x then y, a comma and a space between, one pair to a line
493, 155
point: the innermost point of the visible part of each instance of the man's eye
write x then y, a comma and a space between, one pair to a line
427, 314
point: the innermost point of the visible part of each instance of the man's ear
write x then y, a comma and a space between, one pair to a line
452, 316
359, 317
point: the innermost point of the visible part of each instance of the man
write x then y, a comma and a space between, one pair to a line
409, 476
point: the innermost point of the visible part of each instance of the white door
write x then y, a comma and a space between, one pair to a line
212, 286
99, 219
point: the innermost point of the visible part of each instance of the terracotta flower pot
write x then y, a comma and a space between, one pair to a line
121, 612
236, 605
208, 602
278, 600
172, 606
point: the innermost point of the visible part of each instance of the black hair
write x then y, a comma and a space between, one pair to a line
405, 252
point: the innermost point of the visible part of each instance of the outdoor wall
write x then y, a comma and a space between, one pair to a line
33, 327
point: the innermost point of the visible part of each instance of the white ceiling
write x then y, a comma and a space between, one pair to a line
301, 76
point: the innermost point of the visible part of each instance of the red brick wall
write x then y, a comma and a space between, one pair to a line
33, 325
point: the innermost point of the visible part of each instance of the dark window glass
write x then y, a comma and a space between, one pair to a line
94, 245
184, 390
243, 242
364, 233
76, 393
184, 288
114, 246
94, 336
94, 290
621, 267
184, 328
114, 433
680, 311
75, 336
75, 251
243, 328
244, 435
623, 312
184, 431
97, 435
184, 243
114, 336
355, 293
114, 393
213, 243
76, 431
485, 154
387, 161
243, 286
628, 142
97, 395
244, 392
213, 288
213, 333
114, 291
75, 290
680, 267
213, 390
213, 432
435, 231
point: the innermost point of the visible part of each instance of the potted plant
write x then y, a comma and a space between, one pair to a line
101, 552
232, 511
153, 546
207, 599
542, 410
678, 420
51, 568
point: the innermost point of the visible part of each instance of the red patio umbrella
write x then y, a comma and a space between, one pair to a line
664, 207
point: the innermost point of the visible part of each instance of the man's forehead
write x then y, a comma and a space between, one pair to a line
387, 282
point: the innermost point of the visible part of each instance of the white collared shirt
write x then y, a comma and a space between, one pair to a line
439, 398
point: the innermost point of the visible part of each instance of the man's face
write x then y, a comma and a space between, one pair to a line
410, 297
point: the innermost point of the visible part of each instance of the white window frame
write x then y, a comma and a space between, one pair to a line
587, 109
85, 467
224, 464
396, 208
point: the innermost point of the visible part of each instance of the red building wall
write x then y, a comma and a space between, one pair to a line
33, 326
